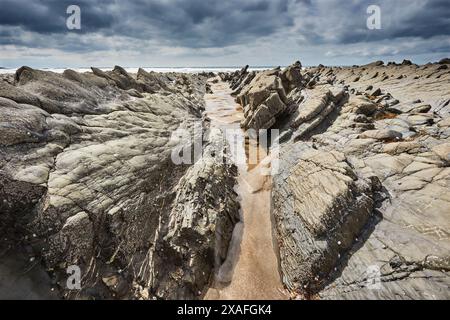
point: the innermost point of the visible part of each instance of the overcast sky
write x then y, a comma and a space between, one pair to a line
149, 33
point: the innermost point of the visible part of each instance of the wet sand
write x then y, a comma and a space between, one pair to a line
252, 264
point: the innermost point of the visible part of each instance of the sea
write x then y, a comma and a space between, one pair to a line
156, 69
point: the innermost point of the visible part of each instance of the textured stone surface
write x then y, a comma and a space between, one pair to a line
270, 95
85, 165
320, 205
361, 199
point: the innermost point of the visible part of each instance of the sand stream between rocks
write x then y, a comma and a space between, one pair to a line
251, 270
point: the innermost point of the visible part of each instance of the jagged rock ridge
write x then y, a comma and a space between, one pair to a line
87, 179
361, 196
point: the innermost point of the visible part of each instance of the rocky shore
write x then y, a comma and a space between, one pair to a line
360, 203
87, 179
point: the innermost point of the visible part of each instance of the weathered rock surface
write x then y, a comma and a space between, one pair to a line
320, 205
269, 96
361, 199
86, 173
263, 100
387, 135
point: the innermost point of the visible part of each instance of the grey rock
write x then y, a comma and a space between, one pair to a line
263, 100
320, 205
86, 168
381, 135
399, 249
443, 151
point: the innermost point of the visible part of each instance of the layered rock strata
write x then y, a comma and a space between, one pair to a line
87, 179
361, 197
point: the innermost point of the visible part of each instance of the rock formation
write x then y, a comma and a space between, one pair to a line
268, 96
87, 179
361, 198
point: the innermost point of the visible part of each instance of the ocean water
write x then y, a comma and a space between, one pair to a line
156, 69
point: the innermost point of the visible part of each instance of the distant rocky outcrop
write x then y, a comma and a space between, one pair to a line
266, 96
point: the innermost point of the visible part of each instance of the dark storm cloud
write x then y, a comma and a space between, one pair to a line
199, 23
433, 20
49, 16
344, 22
217, 23
194, 23
423, 19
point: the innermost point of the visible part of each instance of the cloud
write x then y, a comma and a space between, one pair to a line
197, 29
344, 22
194, 23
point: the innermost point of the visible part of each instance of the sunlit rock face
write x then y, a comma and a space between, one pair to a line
361, 198
268, 95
